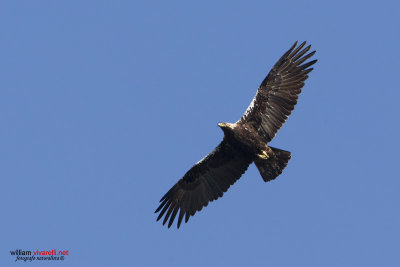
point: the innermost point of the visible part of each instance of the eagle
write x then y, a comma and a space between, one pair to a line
244, 142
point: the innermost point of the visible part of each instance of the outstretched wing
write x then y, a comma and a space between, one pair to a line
278, 93
206, 181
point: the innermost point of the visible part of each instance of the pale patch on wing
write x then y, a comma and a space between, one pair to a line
249, 108
201, 160
206, 156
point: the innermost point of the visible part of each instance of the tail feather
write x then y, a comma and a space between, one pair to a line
273, 166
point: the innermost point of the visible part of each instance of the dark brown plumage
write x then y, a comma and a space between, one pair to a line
244, 141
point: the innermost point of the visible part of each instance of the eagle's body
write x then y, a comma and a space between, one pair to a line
244, 142
243, 137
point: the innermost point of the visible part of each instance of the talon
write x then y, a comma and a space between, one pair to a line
264, 155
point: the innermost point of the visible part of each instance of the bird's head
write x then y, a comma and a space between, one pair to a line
226, 127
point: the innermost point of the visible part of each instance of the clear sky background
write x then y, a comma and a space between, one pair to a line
104, 105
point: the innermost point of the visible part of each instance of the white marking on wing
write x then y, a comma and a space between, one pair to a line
250, 107
201, 160
205, 157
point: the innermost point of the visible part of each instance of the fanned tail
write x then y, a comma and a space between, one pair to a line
273, 166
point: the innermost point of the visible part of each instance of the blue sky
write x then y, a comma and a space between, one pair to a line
105, 105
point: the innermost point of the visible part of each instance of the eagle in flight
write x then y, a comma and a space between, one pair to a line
244, 142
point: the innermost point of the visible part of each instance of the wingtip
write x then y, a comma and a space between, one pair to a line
293, 47
158, 209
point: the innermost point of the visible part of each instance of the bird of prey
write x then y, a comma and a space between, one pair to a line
244, 142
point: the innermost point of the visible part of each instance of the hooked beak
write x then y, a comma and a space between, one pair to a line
225, 125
